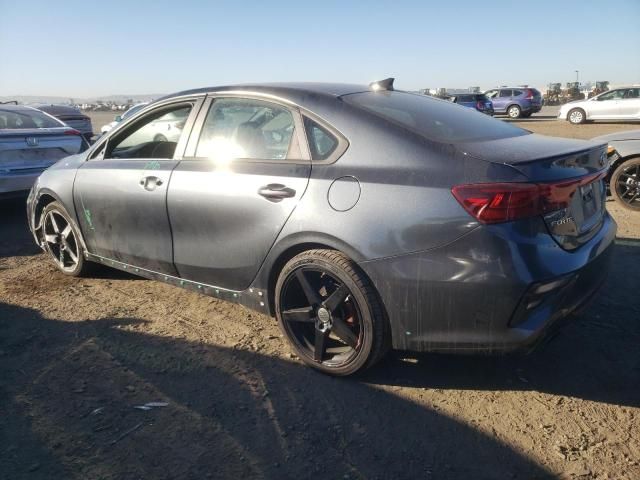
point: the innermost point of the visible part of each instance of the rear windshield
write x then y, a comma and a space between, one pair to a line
15, 119
434, 119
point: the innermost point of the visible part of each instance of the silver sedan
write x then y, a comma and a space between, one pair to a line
30, 142
617, 104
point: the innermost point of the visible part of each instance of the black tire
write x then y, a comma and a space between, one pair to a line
514, 111
576, 116
526, 115
66, 250
625, 184
329, 274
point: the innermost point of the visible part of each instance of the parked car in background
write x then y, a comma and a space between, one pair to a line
515, 102
361, 218
31, 141
618, 104
71, 116
479, 101
624, 167
135, 108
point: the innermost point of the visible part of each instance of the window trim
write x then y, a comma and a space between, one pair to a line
194, 138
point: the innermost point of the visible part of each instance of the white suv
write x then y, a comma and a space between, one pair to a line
618, 104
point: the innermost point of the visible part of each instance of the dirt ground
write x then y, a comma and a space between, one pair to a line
77, 355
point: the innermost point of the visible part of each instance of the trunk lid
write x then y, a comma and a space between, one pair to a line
25, 151
567, 169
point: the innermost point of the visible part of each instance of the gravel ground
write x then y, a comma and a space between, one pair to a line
77, 355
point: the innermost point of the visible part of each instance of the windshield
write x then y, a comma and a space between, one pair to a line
16, 119
434, 119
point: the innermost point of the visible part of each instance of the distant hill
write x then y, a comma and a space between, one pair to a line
118, 99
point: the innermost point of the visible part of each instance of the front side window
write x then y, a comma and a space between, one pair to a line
156, 135
238, 128
612, 95
321, 142
491, 93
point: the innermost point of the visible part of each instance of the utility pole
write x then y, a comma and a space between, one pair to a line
578, 76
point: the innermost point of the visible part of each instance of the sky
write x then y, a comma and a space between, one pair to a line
88, 48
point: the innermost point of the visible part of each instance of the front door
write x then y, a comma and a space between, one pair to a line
630, 104
248, 169
120, 192
606, 106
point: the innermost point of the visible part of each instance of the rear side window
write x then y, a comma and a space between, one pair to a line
16, 119
505, 93
433, 119
517, 93
321, 142
238, 128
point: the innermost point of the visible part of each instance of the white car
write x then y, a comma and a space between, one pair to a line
618, 104
119, 118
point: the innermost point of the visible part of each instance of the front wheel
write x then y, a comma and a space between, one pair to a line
576, 116
625, 184
330, 313
62, 241
514, 111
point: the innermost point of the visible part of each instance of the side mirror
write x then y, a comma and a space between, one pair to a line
118, 118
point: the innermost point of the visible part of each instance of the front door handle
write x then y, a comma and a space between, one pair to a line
276, 192
150, 183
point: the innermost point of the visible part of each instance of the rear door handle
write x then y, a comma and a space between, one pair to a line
276, 192
150, 183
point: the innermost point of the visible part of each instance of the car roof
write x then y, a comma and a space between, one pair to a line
16, 108
284, 90
57, 109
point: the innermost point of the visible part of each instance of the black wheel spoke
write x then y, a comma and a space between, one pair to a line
312, 296
304, 314
320, 345
336, 298
344, 333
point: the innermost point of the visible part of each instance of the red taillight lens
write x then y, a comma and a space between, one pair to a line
72, 132
504, 202
480, 105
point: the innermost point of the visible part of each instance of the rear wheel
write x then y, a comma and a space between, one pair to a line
625, 184
330, 313
62, 241
576, 116
514, 111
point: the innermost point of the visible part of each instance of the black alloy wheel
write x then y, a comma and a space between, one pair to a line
330, 313
625, 184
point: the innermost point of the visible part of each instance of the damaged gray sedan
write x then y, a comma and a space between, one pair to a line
361, 217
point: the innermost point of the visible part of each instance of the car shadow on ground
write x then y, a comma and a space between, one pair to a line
69, 391
595, 356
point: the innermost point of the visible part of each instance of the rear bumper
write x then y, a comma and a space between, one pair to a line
472, 295
12, 183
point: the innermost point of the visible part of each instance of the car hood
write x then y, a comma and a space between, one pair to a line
625, 135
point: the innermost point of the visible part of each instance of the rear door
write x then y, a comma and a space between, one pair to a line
630, 104
121, 191
245, 169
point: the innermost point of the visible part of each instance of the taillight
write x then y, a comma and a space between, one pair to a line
72, 132
505, 202
480, 105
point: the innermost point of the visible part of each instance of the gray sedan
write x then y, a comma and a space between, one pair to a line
624, 167
31, 141
361, 217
